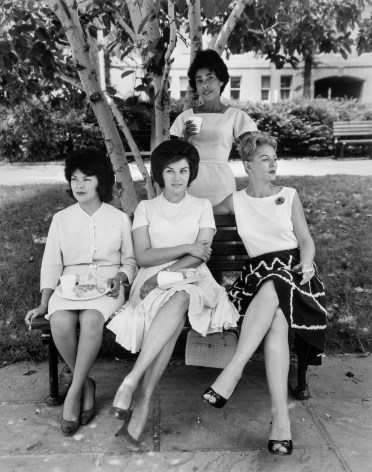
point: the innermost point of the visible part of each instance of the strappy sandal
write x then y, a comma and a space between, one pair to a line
287, 443
220, 401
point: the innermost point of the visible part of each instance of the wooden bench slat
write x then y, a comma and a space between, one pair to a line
229, 249
352, 132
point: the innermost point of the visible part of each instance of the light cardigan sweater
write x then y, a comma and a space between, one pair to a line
78, 243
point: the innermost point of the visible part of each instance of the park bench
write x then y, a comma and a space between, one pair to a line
351, 132
228, 257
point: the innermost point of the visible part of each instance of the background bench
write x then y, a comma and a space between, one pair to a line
352, 132
227, 260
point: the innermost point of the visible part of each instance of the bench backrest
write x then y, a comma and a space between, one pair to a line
352, 128
228, 251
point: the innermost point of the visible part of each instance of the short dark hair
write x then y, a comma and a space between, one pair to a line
208, 59
172, 151
247, 146
92, 162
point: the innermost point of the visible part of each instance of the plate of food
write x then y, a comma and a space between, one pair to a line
188, 280
85, 291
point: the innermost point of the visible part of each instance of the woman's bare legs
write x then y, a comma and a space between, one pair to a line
78, 353
256, 323
276, 350
150, 380
162, 330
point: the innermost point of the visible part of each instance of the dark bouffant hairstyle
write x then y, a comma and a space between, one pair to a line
208, 59
247, 146
172, 151
92, 162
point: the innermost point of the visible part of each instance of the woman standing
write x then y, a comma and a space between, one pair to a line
279, 289
221, 127
91, 240
172, 233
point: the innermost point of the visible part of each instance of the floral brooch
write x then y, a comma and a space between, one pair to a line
280, 201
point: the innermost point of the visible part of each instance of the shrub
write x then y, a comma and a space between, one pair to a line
303, 128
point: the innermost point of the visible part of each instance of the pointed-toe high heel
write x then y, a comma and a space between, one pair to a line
69, 428
126, 439
220, 401
287, 443
120, 413
87, 415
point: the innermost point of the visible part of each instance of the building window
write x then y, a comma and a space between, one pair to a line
285, 87
265, 88
235, 88
184, 83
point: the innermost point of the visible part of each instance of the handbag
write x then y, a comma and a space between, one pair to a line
214, 350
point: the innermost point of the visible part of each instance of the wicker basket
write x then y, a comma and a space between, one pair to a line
213, 350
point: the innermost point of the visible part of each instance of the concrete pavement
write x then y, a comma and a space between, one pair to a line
331, 432
20, 174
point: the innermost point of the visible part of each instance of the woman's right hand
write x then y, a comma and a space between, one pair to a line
35, 313
190, 129
201, 250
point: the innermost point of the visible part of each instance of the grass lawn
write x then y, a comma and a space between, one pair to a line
339, 214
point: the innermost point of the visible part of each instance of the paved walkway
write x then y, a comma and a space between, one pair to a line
20, 174
332, 432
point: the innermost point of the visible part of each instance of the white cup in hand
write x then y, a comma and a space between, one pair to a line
68, 283
197, 121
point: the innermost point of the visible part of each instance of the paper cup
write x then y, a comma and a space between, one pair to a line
197, 121
68, 283
165, 278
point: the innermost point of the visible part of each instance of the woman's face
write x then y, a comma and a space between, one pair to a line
84, 187
263, 164
207, 84
176, 176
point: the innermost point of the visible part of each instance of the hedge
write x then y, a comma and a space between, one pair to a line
303, 128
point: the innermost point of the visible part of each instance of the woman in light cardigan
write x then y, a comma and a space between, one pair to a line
91, 240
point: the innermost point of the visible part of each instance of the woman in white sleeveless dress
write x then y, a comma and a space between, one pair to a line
279, 289
172, 235
220, 128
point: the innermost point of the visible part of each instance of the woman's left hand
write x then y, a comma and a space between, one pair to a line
114, 284
148, 286
307, 271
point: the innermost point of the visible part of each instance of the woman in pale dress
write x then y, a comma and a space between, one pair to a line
172, 233
220, 128
93, 241
279, 289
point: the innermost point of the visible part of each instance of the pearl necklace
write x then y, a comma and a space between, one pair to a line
164, 201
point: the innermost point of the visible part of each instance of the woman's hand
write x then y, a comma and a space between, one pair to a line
306, 270
114, 284
201, 250
148, 286
190, 129
35, 313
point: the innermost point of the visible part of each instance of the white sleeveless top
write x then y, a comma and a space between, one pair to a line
265, 224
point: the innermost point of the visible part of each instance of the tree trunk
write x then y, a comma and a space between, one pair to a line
308, 62
66, 10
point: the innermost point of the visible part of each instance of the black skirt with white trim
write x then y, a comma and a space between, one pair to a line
302, 305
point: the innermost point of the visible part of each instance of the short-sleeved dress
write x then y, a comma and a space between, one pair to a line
218, 132
169, 225
78, 243
266, 229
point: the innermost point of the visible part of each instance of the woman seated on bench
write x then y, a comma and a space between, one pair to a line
91, 240
278, 290
172, 233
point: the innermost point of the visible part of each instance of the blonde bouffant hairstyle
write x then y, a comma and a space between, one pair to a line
247, 146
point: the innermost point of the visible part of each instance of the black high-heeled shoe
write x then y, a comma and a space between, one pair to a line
287, 443
220, 401
126, 439
87, 415
120, 413
69, 428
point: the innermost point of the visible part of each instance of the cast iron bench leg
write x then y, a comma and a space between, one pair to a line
302, 392
53, 398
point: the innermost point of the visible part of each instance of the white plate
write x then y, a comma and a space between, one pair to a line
76, 299
189, 280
